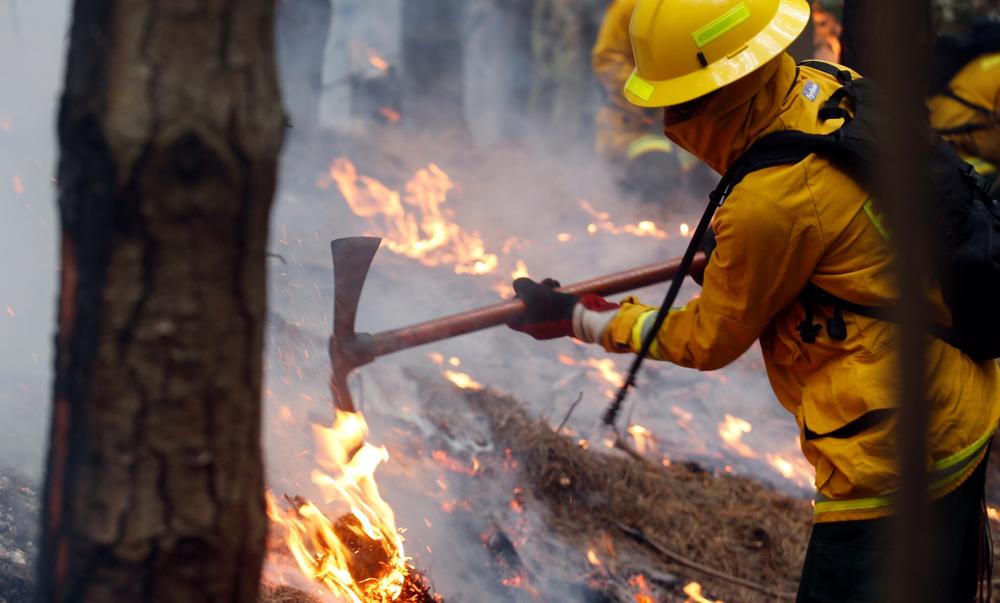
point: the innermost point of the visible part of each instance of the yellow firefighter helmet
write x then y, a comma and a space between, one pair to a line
685, 49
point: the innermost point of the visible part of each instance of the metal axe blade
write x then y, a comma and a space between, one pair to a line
352, 258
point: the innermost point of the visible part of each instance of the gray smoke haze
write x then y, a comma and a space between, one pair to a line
31, 56
519, 179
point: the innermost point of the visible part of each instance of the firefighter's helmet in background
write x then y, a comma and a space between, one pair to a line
685, 49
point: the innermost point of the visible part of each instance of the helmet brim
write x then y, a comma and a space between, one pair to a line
788, 23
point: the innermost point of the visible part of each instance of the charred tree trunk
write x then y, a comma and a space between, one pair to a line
303, 27
169, 127
433, 65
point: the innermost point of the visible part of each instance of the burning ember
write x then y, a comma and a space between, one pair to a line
377, 62
413, 224
693, 591
359, 555
602, 222
826, 39
731, 431
462, 380
644, 440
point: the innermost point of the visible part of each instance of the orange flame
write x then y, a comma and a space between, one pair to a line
993, 513
358, 557
392, 116
462, 380
693, 591
605, 367
644, 440
731, 431
644, 593
18, 185
377, 61
602, 222
795, 469
414, 224
503, 288
826, 36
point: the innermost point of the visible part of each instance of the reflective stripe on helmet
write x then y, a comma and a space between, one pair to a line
719, 26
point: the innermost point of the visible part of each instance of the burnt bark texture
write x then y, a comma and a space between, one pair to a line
170, 125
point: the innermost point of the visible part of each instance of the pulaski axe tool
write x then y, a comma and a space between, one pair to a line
352, 257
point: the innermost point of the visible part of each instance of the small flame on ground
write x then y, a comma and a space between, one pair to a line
593, 558
377, 62
504, 288
685, 229
731, 430
391, 115
606, 368
693, 591
414, 224
602, 222
462, 380
644, 440
643, 594
359, 556
795, 469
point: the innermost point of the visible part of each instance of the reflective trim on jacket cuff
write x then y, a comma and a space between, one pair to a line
640, 329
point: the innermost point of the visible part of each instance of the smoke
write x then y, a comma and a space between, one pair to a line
522, 164
31, 54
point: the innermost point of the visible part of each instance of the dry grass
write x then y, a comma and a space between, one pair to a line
284, 594
731, 524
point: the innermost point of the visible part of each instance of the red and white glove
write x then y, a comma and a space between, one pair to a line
551, 313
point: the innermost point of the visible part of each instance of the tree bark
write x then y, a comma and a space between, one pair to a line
169, 126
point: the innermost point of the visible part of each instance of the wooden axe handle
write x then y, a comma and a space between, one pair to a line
395, 340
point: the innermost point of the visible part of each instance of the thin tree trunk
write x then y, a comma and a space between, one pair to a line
303, 27
433, 64
170, 127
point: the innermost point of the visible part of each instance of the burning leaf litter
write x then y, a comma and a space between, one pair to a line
358, 556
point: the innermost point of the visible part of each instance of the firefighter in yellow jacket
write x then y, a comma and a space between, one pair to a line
630, 137
965, 101
719, 71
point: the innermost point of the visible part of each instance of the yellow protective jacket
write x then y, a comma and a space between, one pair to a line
781, 228
619, 123
978, 83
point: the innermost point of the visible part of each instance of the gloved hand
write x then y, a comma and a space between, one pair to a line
550, 313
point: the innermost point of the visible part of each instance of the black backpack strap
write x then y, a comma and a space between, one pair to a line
836, 329
832, 108
841, 75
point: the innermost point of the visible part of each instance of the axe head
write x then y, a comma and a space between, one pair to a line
352, 257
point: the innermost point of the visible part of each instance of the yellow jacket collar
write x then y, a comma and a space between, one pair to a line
737, 115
